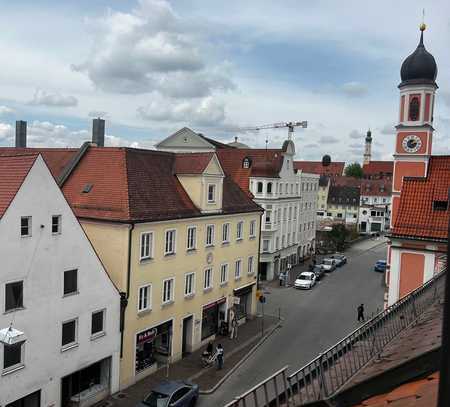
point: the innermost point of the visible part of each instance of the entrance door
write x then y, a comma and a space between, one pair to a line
186, 346
263, 272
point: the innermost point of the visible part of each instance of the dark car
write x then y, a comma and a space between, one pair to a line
380, 266
340, 259
318, 271
173, 394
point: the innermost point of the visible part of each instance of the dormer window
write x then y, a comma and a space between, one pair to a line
440, 205
246, 162
211, 193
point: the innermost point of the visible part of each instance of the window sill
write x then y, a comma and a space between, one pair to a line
56, 233
71, 294
144, 312
169, 255
211, 202
13, 369
207, 290
167, 303
225, 244
66, 348
144, 260
189, 296
240, 240
191, 251
25, 236
209, 246
237, 278
224, 284
252, 237
98, 335
13, 310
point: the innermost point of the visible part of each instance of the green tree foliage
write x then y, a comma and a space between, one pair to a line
338, 234
354, 170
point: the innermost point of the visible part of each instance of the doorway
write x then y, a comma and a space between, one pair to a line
186, 346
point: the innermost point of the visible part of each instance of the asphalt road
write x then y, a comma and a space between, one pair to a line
314, 320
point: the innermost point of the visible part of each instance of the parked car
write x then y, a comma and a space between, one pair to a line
319, 272
305, 280
380, 266
340, 259
172, 393
328, 265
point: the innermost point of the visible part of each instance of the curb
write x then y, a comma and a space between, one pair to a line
238, 364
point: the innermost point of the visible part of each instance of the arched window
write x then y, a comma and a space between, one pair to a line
259, 187
269, 187
246, 162
414, 109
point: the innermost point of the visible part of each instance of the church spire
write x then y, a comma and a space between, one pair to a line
368, 148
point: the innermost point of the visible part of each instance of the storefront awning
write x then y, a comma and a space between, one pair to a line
244, 290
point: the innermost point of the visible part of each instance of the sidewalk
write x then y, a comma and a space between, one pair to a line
190, 368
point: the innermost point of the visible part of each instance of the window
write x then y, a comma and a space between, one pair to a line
268, 216
170, 242
293, 237
339, 215
328, 213
144, 301
296, 189
225, 233
250, 265
283, 241
286, 188
290, 213
414, 109
211, 193
223, 273
259, 187
70, 282
56, 224
292, 188
25, 226
168, 290
295, 213
69, 333
269, 187
209, 235
252, 228
279, 215
98, 323
288, 239
146, 245
284, 213
239, 228
265, 245
13, 296
12, 355
191, 238
237, 269
373, 213
207, 281
189, 284
440, 205
246, 163
277, 243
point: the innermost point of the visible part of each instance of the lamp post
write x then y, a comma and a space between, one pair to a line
444, 379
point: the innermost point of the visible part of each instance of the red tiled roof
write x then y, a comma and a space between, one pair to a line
346, 181
194, 163
377, 167
316, 167
13, 171
55, 158
132, 185
416, 217
264, 163
376, 187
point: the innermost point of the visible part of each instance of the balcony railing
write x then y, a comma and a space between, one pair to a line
325, 375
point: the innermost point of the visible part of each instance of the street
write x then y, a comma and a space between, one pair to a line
313, 320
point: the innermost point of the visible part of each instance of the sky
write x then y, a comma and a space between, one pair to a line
151, 67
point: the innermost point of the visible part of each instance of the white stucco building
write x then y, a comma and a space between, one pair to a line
55, 295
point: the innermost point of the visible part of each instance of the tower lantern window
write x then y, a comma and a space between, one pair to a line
414, 109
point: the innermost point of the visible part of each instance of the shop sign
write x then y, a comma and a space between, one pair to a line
215, 303
147, 336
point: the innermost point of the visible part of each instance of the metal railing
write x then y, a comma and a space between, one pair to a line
325, 375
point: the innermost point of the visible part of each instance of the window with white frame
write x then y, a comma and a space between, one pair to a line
13, 355
250, 268
211, 193
223, 273
284, 213
259, 187
13, 296
98, 323
290, 213
268, 216
210, 235
286, 188
146, 245
252, 228
169, 247
189, 284
25, 226
269, 187
56, 224
283, 241
296, 188
277, 243
69, 333
292, 189
265, 245
279, 215
239, 229
293, 237
207, 279
144, 299
295, 213
168, 290
225, 233
191, 238
237, 269
288, 239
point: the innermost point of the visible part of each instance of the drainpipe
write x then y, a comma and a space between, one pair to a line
259, 250
444, 379
125, 295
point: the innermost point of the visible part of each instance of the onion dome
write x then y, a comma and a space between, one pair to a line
420, 67
369, 137
326, 160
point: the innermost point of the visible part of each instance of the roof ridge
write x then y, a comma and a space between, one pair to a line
20, 155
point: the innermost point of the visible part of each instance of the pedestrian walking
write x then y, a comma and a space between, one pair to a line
361, 313
234, 328
219, 352
281, 278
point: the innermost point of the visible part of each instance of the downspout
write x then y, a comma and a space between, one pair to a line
125, 295
259, 250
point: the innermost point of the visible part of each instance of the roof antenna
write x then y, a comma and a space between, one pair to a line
267, 141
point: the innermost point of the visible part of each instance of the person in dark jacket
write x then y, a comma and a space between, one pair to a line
361, 313
219, 356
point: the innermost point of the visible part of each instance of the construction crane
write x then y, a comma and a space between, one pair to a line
290, 126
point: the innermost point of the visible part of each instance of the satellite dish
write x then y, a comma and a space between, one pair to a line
326, 160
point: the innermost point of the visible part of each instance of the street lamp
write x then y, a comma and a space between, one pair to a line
444, 379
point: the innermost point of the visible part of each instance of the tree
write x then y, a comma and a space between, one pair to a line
337, 235
354, 170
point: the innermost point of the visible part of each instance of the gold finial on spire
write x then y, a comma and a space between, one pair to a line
423, 26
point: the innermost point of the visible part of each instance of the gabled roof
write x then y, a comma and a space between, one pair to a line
343, 195
133, 185
13, 171
316, 167
192, 163
216, 143
378, 167
416, 216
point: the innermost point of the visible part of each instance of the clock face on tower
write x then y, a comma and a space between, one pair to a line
411, 143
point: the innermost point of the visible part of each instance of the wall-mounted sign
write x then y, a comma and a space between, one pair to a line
146, 336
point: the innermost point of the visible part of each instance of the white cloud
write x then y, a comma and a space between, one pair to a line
6, 110
388, 129
356, 135
354, 89
97, 113
6, 132
43, 98
328, 140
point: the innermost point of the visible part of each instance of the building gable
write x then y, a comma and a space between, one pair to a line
185, 139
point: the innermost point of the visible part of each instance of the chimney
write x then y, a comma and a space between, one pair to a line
21, 134
98, 132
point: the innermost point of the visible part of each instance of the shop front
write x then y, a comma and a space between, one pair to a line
212, 316
32, 400
153, 345
243, 302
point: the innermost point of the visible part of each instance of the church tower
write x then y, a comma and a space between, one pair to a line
415, 128
368, 148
